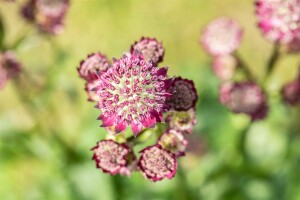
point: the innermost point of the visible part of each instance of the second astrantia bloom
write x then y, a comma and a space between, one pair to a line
184, 95
156, 163
279, 20
221, 37
151, 49
110, 156
132, 92
244, 97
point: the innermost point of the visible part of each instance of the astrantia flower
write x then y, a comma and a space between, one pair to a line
93, 66
156, 163
48, 15
151, 49
279, 20
132, 92
244, 97
110, 156
173, 141
184, 95
291, 92
222, 36
182, 121
224, 67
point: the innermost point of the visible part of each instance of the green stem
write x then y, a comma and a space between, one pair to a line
273, 60
242, 141
183, 188
244, 67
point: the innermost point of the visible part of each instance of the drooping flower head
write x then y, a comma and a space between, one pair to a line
110, 156
132, 92
244, 97
156, 163
291, 92
184, 95
279, 20
224, 67
151, 49
182, 121
93, 66
48, 15
173, 141
221, 37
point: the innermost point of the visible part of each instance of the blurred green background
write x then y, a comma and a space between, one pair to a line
47, 127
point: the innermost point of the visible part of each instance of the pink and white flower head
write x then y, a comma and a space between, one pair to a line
279, 20
48, 15
132, 92
173, 141
182, 121
224, 67
291, 92
156, 163
184, 95
151, 49
93, 66
110, 156
244, 97
222, 36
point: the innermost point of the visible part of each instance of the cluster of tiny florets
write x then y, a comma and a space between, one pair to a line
184, 95
151, 49
48, 15
132, 92
279, 20
156, 163
221, 37
90, 70
110, 156
244, 97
